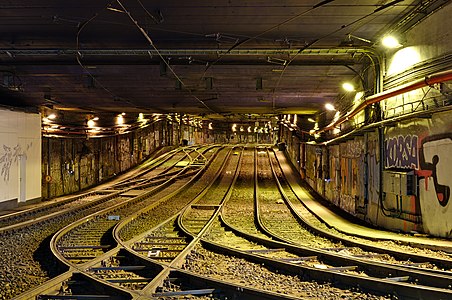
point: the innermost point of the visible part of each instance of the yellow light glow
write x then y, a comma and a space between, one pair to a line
348, 86
329, 106
96, 119
403, 60
358, 96
91, 123
336, 116
311, 120
120, 120
249, 128
51, 116
390, 42
210, 126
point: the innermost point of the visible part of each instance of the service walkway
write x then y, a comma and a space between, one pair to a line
348, 227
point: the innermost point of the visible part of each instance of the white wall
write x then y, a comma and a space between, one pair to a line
20, 138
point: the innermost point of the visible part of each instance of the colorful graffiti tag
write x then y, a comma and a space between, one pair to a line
432, 149
405, 152
402, 152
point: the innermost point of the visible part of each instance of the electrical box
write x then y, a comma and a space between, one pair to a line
402, 183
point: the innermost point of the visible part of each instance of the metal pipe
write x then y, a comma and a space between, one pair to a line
330, 51
420, 83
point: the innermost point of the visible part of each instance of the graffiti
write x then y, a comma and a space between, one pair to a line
402, 152
352, 149
11, 155
430, 158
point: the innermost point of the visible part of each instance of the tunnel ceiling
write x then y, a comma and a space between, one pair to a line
215, 58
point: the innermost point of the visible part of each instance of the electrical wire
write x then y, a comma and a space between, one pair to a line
79, 57
323, 37
239, 43
148, 38
149, 14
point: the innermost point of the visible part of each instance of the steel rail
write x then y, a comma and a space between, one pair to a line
399, 255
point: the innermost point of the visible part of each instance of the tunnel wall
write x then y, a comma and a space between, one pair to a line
71, 165
395, 175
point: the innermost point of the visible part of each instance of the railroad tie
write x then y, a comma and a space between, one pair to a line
187, 292
337, 249
368, 255
75, 247
120, 268
160, 243
128, 280
399, 279
265, 250
298, 259
343, 269
72, 297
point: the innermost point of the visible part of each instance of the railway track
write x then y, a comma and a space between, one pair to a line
156, 167
26, 261
90, 237
215, 241
400, 255
78, 252
158, 236
322, 259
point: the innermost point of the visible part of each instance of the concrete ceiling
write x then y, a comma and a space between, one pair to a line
199, 57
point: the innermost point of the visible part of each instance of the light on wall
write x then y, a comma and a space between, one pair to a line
348, 86
404, 59
329, 106
120, 120
390, 41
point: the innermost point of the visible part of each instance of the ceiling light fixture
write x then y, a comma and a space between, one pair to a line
120, 120
348, 86
329, 106
276, 61
390, 41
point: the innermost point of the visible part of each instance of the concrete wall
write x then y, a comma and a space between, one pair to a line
20, 154
71, 165
397, 176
